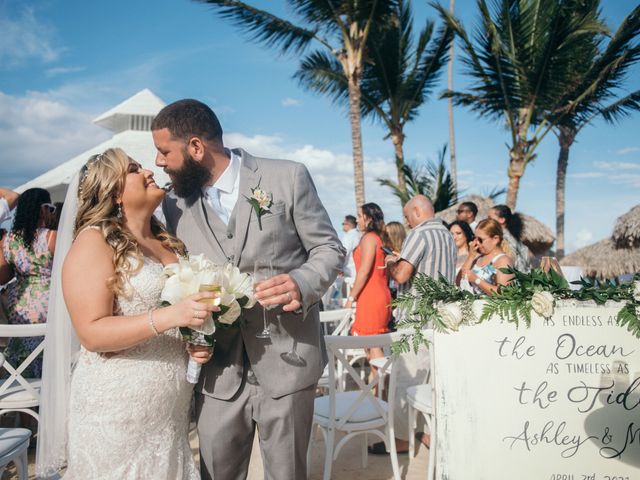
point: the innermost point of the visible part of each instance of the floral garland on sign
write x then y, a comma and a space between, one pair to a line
448, 307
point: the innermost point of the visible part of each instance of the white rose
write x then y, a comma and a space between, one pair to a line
636, 291
238, 284
451, 315
542, 303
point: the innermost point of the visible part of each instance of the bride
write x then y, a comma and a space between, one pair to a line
128, 406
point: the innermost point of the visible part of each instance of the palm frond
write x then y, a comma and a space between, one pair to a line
616, 111
263, 26
322, 73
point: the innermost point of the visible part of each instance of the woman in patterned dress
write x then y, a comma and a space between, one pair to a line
27, 253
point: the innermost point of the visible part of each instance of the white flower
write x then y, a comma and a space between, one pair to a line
636, 291
263, 198
543, 303
451, 315
238, 284
181, 282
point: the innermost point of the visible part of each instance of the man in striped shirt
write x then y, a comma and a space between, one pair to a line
429, 248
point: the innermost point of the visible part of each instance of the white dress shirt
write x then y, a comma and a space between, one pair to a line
350, 241
223, 195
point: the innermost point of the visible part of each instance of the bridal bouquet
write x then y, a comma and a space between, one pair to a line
197, 273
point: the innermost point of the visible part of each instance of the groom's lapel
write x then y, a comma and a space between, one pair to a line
249, 178
208, 221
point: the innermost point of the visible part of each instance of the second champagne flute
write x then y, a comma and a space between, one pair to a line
262, 271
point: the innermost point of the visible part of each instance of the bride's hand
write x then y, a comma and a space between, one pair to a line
201, 354
191, 312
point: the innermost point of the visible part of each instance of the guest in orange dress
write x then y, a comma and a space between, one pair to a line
371, 287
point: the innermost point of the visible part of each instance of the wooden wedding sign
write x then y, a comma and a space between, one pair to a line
557, 401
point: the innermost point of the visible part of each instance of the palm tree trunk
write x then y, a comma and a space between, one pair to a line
517, 158
512, 191
566, 138
356, 140
453, 167
398, 141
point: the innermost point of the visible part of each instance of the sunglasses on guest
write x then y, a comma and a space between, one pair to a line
49, 206
463, 210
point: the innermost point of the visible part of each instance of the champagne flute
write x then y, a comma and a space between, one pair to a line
262, 271
199, 338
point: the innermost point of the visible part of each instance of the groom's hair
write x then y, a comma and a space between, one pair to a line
188, 118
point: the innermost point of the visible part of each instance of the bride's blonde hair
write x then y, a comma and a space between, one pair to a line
102, 180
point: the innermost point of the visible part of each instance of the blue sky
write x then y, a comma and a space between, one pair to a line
62, 63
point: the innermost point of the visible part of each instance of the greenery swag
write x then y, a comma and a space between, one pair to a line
447, 306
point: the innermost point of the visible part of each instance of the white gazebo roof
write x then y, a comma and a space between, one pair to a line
133, 113
134, 138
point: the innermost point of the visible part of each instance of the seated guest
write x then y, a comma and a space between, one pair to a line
27, 252
511, 224
462, 235
467, 212
486, 257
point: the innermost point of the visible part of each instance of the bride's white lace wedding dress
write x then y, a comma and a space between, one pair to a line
129, 411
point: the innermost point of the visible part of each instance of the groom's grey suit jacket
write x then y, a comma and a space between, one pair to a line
298, 238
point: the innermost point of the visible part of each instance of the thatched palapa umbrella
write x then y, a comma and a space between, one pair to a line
615, 256
603, 260
626, 233
535, 234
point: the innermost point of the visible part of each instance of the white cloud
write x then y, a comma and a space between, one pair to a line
617, 165
332, 173
38, 132
583, 237
25, 37
627, 150
587, 175
291, 102
54, 72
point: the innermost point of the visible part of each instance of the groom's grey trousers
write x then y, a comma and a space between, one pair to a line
284, 428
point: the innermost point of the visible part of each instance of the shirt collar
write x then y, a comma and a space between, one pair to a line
227, 181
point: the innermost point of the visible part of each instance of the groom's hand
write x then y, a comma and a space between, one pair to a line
280, 290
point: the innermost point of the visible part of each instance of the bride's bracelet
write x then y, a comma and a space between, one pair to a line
153, 325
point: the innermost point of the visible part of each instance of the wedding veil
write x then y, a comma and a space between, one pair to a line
61, 349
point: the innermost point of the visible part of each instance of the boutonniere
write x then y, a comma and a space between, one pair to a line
260, 201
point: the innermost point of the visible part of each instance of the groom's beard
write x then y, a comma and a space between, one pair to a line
190, 178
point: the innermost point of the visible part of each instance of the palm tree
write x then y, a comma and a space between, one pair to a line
399, 78
599, 76
520, 58
431, 179
453, 164
341, 28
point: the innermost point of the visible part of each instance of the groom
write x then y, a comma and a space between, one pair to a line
269, 383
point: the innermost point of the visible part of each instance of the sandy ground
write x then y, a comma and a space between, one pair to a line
347, 467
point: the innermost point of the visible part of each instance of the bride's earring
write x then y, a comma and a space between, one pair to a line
119, 212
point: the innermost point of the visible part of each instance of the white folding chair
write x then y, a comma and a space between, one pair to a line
421, 398
339, 321
14, 443
19, 394
358, 412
